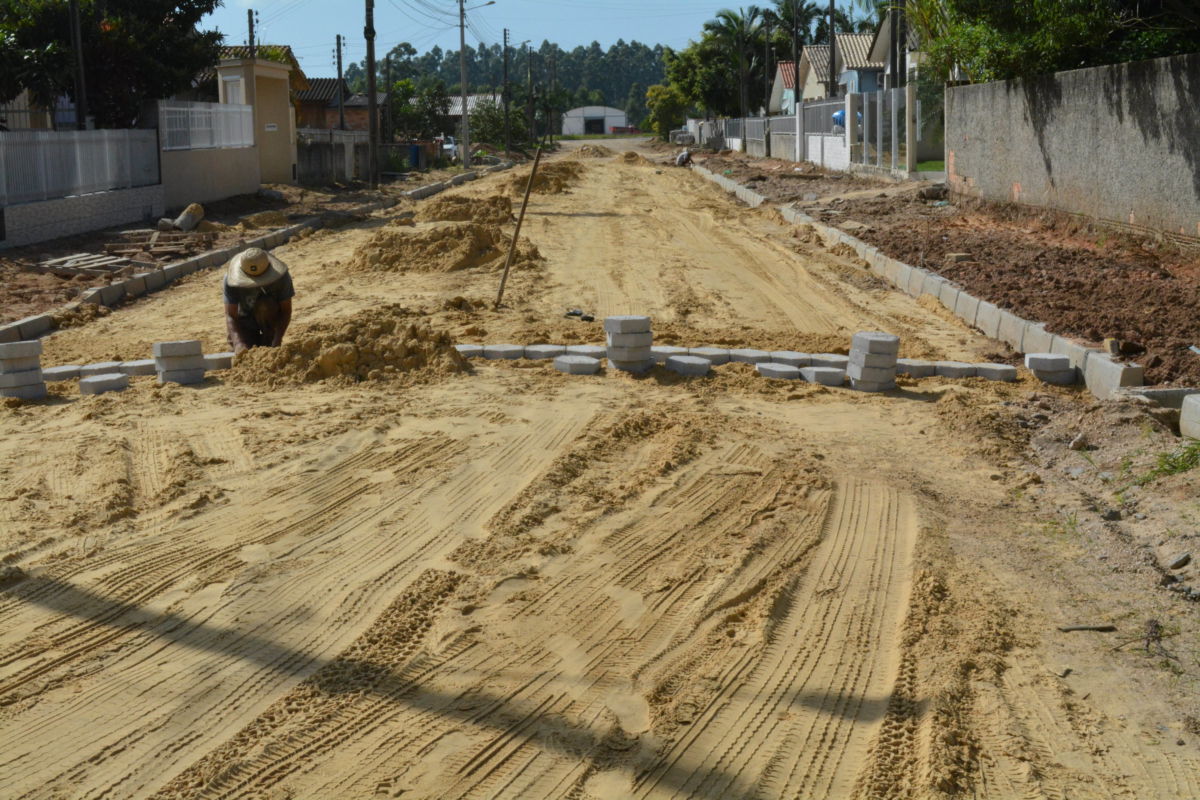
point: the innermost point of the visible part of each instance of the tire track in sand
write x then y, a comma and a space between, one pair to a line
795, 721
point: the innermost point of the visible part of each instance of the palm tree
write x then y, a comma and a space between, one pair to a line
736, 31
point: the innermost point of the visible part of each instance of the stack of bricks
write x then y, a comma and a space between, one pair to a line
21, 370
872, 366
630, 342
179, 362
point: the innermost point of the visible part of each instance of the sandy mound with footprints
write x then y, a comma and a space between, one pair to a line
494, 210
439, 247
375, 345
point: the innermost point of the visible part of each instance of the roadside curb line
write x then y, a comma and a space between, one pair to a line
1103, 377
155, 280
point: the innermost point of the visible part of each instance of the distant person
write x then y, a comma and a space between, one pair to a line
258, 300
684, 159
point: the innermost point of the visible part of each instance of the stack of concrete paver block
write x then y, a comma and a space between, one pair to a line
629, 343
1051, 368
872, 366
577, 364
21, 370
179, 362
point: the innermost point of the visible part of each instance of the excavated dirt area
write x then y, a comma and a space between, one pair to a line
1083, 281
359, 567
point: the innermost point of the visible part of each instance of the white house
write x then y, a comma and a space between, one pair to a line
593, 119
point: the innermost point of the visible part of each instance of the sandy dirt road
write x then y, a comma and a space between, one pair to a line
511, 583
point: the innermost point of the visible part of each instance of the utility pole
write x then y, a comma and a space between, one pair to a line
832, 56
462, 69
80, 82
340, 93
372, 111
507, 139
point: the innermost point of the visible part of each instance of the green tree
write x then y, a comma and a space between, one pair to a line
667, 107
134, 51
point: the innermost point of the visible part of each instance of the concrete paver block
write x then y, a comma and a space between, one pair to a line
996, 372
791, 358
105, 382
834, 360
915, 367
589, 350
20, 364
857, 372
955, 369
11, 380
661, 353
630, 353
35, 326
143, 366
469, 350
1104, 376
948, 295
871, 386
875, 342
577, 365
503, 351
636, 367
785, 372
183, 347
1047, 362
874, 360
64, 373
20, 350
177, 363
183, 376
987, 319
629, 340
715, 355
1058, 377
626, 324
1011, 330
1189, 416
100, 368
749, 356
540, 352
694, 366
826, 376
218, 361
34, 391
965, 307
1036, 339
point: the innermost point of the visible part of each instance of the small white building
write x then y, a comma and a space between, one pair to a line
593, 119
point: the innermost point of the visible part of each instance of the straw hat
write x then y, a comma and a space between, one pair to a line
253, 268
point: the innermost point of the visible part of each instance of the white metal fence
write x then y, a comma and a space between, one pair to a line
205, 126
44, 165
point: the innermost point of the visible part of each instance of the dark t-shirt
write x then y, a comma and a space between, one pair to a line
245, 299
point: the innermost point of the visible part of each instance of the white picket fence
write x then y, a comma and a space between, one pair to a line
205, 126
44, 165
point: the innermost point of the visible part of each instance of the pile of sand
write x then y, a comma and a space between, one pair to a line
438, 247
637, 159
379, 344
264, 219
552, 178
494, 210
594, 151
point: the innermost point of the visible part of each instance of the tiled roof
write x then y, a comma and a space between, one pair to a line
854, 51
322, 90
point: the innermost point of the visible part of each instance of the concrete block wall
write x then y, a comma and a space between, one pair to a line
29, 223
143, 283
1103, 377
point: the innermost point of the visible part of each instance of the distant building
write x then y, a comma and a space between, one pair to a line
593, 119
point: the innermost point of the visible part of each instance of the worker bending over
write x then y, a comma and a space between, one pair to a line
258, 300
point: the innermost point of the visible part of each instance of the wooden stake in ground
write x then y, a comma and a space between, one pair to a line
512, 248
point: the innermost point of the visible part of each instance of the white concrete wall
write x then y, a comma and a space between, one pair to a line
29, 223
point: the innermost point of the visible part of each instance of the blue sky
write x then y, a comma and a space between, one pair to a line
309, 26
